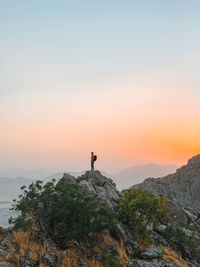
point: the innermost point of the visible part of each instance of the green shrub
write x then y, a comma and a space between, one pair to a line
139, 209
176, 233
62, 210
111, 261
194, 227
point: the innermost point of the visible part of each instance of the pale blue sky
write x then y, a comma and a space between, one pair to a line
62, 60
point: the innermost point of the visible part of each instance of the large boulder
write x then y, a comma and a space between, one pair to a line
151, 253
100, 185
146, 263
68, 178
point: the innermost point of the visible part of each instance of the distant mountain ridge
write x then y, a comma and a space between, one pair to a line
183, 185
136, 174
10, 187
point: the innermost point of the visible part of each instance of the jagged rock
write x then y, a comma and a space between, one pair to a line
158, 239
28, 263
50, 259
81, 262
111, 192
87, 185
133, 249
68, 178
7, 264
7, 248
151, 253
102, 186
176, 213
130, 264
120, 232
184, 185
7, 244
99, 257
152, 263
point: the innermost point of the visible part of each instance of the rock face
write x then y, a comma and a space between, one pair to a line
184, 185
100, 185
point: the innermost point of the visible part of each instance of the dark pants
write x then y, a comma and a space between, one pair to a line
92, 165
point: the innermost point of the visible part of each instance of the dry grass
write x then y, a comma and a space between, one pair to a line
2, 231
172, 256
27, 248
119, 246
67, 258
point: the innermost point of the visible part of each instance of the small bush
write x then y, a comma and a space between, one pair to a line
139, 209
195, 227
111, 261
176, 233
61, 210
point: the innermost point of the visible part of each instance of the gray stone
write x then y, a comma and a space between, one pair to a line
111, 192
159, 240
121, 232
98, 257
6, 243
151, 253
132, 248
28, 263
152, 263
130, 264
87, 185
68, 178
81, 262
103, 187
50, 259
96, 178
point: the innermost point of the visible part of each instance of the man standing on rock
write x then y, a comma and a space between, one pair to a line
93, 159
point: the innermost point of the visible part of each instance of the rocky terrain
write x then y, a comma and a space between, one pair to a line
184, 185
24, 249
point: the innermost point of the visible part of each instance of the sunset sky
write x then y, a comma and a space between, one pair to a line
120, 78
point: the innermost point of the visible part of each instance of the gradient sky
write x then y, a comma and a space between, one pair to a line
120, 78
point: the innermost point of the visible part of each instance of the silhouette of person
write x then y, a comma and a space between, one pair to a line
93, 158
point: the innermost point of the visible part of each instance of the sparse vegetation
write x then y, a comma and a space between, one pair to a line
172, 232
111, 261
140, 209
61, 210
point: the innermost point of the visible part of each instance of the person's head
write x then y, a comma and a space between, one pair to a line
92, 153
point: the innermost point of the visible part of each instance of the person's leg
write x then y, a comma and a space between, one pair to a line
92, 165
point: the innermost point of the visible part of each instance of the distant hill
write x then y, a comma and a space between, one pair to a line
59, 175
183, 185
136, 174
10, 187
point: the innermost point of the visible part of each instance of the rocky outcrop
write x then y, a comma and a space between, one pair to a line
184, 185
100, 185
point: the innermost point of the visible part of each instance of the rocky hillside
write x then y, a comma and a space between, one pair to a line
184, 185
118, 248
